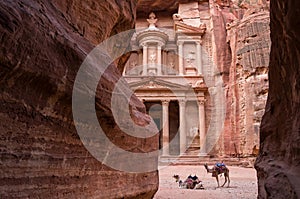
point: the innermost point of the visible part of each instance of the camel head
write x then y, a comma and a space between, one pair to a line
206, 167
176, 177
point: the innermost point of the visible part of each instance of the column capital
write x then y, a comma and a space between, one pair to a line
160, 44
202, 101
165, 102
182, 102
144, 44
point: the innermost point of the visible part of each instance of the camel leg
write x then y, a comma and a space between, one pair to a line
226, 175
217, 180
225, 180
228, 179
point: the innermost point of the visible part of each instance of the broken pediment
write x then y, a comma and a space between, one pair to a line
157, 84
181, 27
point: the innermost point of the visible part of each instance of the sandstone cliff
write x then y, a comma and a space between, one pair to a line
42, 46
278, 162
241, 46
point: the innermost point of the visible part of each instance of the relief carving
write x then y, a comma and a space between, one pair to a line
152, 58
152, 21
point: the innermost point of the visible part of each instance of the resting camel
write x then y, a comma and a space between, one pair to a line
192, 182
217, 170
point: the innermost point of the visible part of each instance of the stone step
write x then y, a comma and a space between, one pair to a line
196, 160
194, 147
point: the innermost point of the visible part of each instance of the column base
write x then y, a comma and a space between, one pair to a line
165, 155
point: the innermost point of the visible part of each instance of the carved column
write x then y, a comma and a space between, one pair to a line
159, 59
180, 54
182, 130
202, 133
164, 61
140, 60
199, 57
145, 58
165, 113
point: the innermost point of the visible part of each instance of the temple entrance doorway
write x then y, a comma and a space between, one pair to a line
174, 128
154, 109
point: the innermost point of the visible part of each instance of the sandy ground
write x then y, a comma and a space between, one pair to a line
243, 184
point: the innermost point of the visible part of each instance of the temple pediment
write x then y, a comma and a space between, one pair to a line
181, 27
157, 84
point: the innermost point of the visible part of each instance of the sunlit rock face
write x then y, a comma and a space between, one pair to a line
240, 50
42, 47
279, 159
249, 40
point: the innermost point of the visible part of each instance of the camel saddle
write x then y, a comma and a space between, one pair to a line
220, 167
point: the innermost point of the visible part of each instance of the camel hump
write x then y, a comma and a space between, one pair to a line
220, 164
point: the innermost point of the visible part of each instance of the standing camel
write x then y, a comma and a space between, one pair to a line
217, 170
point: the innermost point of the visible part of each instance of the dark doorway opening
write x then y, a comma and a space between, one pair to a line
174, 128
154, 109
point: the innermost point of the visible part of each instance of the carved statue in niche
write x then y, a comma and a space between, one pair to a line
152, 20
190, 58
131, 67
190, 68
133, 63
171, 60
171, 63
152, 58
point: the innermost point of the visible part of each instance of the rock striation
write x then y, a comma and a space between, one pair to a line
241, 53
43, 44
248, 80
278, 162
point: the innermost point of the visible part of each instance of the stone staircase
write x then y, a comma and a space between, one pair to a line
191, 157
197, 160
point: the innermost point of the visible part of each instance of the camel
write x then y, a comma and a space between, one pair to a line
217, 170
192, 182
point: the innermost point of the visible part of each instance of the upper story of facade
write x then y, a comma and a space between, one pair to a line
171, 45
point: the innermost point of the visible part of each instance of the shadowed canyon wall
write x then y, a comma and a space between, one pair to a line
43, 44
278, 162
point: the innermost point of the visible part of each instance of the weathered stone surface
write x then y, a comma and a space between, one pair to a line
250, 46
144, 7
241, 51
278, 162
42, 46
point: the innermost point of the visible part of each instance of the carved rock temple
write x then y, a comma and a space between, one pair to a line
196, 76
165, 71
199, 68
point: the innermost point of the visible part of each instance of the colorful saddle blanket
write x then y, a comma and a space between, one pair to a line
220, 167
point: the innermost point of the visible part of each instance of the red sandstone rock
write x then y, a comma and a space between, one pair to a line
278, 162
42, 46
241, 53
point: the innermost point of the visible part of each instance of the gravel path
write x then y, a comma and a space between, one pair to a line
243, 184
